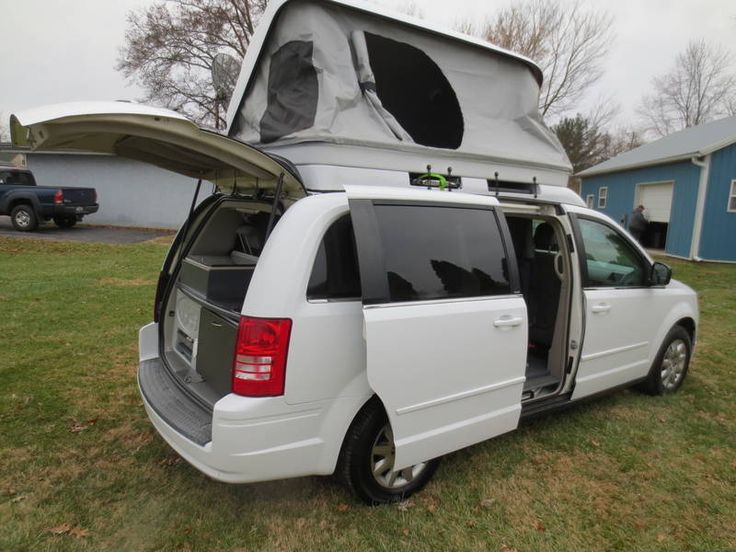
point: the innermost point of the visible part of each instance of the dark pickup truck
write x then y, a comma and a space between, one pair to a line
28, 204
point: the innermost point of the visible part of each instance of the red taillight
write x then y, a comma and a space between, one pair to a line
259, 368
59, 197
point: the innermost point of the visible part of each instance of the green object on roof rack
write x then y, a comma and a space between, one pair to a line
441, 180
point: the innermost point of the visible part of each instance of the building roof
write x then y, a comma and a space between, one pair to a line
695, 141
7, 147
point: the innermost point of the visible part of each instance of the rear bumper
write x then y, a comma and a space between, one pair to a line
243, 439
247, 446
61, 210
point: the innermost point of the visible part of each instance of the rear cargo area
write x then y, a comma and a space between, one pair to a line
201, 314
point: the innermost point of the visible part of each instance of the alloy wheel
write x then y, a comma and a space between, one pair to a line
383, 455
673, 364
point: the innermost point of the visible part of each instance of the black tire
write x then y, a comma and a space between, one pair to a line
65, 222
671, 363
24, 218
370, 431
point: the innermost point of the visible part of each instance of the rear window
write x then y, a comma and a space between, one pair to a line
441, 252
17, 178
335, 272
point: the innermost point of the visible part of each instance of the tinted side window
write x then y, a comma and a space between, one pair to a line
335, 272
611, 260
16, 178
441, 252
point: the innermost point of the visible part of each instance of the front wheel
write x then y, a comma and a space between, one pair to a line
65, 222
24, 218
671, 363
367, 461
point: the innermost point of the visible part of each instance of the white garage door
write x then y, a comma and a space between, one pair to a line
657, 198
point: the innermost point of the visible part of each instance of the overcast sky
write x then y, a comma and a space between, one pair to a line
57, 51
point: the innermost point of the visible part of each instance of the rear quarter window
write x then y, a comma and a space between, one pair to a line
335, 272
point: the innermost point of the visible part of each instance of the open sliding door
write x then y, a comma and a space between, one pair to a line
445, 330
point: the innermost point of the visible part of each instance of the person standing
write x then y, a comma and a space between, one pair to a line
638, 224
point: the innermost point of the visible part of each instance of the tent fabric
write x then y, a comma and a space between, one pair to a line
367, 84
496, 94
293, 91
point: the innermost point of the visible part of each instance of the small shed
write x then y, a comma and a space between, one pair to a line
130, 193
687, 183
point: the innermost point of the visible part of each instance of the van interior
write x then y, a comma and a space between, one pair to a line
544, 273
202, 312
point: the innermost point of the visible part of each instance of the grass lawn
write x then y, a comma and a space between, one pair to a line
83, 469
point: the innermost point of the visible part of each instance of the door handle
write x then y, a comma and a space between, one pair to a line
507, 321
601, 308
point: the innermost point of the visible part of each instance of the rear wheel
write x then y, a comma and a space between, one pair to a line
65, 222
368, 456
24, 218
671, 363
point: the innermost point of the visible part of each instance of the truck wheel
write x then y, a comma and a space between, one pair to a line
671, 363
65, 222
24, 218
366, 462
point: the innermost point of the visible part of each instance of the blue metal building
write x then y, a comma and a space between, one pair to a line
687, 183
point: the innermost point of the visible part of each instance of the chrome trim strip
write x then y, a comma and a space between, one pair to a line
625, 348
617, 369
443, 301
462, 395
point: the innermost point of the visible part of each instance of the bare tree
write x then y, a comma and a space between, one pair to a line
700, 87
4, 125
620, 140
410, 7
566, 41
465, 25
170, 48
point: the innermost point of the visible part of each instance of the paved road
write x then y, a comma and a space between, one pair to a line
83, 233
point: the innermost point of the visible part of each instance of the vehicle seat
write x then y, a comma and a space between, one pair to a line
545, 287
521, 236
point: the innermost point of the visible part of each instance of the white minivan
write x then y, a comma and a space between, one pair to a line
370, 330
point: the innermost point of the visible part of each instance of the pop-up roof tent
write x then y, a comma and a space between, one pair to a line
331, 84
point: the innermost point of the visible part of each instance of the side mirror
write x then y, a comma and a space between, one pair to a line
660, 275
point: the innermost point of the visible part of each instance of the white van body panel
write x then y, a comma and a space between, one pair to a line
334, 343
625, 327
261, 439
449, 373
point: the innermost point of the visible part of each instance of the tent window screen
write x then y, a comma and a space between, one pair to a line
415, 91
293, 91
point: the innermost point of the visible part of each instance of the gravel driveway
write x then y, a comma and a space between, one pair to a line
83, 233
